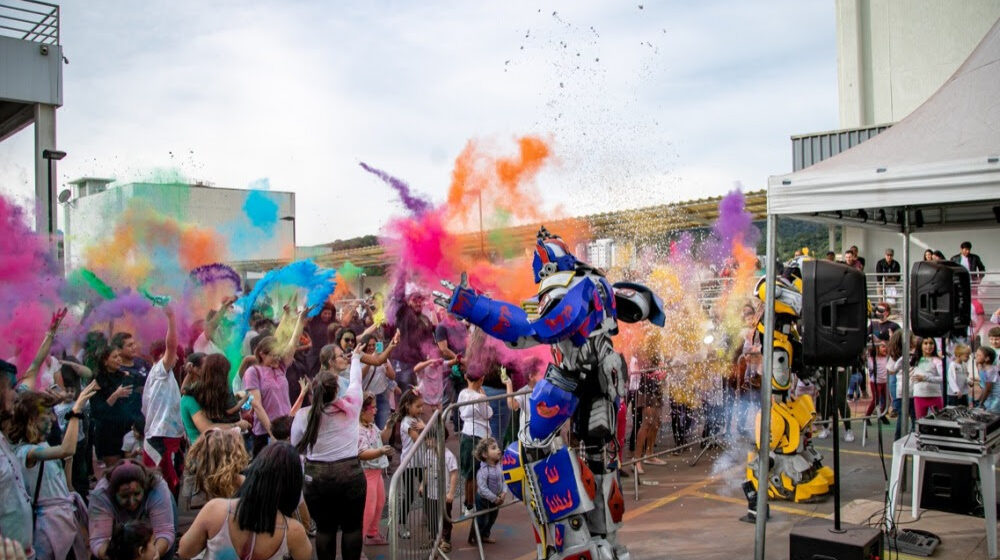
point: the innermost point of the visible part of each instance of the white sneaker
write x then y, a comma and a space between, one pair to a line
848, 436
823, 433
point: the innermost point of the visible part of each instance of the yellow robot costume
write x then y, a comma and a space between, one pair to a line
796, 472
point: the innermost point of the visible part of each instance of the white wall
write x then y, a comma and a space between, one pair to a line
894, 54
90, 218
873, 243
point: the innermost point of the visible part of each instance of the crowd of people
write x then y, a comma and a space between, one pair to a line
126, 449
123, 449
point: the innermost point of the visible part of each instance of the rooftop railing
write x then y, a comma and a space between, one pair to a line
30, 20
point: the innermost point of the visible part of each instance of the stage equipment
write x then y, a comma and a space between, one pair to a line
834, 312
961, 430
950, 487
815, 540
940, 296
575, 504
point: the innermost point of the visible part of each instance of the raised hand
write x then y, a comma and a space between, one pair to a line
57, 317
85, 395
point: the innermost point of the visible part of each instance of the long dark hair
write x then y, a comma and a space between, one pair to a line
273, 483
212, 393
324, 391
128, 539
917, 351
100, 358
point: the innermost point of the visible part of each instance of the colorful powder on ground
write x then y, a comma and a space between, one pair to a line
414, 203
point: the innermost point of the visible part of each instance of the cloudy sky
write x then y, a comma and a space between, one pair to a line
643, 103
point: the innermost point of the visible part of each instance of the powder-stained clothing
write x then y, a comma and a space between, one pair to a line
157, 509
338, 433
489, 481
15, 502
161, 404
273, 389
370, 437
57, 531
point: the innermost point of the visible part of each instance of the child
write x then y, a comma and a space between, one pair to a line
374, 455
411, 406
958, 376
133, 440
281, 428
431, 491
132, 540
475, 427
431, 374
985, 357
877, 367
490, 489
925, 380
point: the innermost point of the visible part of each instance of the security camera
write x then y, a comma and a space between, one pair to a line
44, 49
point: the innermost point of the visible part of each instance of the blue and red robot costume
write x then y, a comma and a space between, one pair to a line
574, 500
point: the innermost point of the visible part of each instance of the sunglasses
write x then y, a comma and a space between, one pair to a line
348, 339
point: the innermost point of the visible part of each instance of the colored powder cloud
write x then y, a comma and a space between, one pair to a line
413, 203
261, 210
30, 286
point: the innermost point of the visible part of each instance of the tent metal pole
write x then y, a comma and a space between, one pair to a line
904, 414
763, 452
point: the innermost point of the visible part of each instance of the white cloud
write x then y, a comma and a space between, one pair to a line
684, 100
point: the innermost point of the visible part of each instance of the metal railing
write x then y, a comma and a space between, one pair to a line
30, 20
985, 288
410, 519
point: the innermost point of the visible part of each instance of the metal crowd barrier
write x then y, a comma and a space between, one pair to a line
410, 521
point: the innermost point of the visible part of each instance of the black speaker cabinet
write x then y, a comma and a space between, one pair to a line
940, 297
949, 487
834, 313
815, 540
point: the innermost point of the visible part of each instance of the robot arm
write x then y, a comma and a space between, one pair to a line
563, 318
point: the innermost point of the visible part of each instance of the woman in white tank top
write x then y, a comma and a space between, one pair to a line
259, 523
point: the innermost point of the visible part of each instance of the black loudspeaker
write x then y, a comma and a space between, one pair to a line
834, 313
950, 487
815, 540
940, 298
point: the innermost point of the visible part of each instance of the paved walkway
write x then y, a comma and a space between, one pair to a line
693, 512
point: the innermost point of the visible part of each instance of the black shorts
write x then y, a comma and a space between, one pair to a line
466, 450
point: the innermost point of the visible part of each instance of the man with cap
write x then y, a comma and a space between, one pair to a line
887, 272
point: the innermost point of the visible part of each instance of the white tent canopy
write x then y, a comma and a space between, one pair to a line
946, 152
939, 168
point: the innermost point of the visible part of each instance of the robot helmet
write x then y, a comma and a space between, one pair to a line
551, 256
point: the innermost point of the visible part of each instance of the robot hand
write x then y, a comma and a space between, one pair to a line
444, 299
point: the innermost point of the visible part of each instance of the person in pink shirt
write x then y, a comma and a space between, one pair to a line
267, 383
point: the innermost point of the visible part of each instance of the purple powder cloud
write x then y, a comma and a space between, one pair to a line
414, 203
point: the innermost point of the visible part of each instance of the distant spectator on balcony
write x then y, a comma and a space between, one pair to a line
889, 267
831, 256
970, 261
851, 259
938, 255
929, 255
857, 255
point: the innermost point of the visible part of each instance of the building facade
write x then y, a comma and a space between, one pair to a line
95, 203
